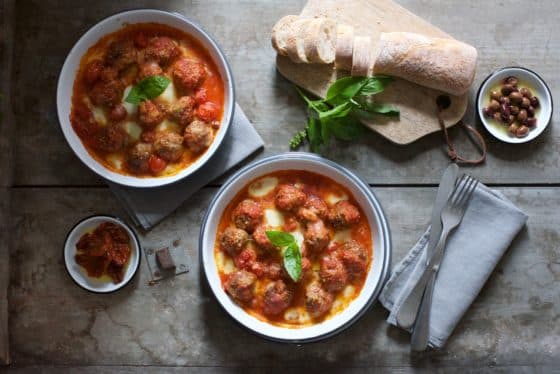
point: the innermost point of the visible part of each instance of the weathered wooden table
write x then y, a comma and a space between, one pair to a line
514, 324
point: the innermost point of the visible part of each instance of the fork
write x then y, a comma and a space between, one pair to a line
451, 216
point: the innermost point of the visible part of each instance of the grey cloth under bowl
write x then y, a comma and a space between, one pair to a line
490, 224
148, 206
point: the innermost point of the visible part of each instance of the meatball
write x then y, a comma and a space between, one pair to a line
233, 240
259, 236
343, 214
162, 49
150, 114
246, 259
289, 197
188, 74
149, 69
169, 146
139, 156
332, 273
355, 258
277, 298
316, 236
121, 54
314, 208
118, 113
274, 271
93, 71
317, 300
248, 215
182, 111
107, 93
198, 136
110, 139
241, 285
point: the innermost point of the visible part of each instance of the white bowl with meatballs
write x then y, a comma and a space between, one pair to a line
145, 98
295, 247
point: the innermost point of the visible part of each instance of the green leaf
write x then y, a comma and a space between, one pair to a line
280, 238
338, 111
344, 89
292, 261
347, 128
367, 108
147, 88
374, 85
314, 134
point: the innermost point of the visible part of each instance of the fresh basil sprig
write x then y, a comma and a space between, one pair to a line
348, 101
290, 253
147, 88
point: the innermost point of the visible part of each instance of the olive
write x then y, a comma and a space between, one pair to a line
525, 103
497, 116
504, 100
515, 97
495, 95
494, 105
514, 109
504, 109
488, 112
525, 92
513, 128
530, 112
522, 131
534, 102
511, 80
531, 122
522, 115
507, 89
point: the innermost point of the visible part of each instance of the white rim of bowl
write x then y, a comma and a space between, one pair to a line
379, 213
488, 126
148, 182
133, 237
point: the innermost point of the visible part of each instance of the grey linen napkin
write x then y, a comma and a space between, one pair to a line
148, 206
489, 225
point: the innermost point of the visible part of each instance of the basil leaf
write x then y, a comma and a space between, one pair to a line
366, 108
347, 128
345, 88
338, 111
147, 88
374, 85
280, 238
292, 261
314, 134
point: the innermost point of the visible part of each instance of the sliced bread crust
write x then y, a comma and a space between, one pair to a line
344, 47
319, 40
362, 58
280, 32
295, 43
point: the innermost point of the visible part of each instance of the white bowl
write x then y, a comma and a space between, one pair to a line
380, 238
112, 24
79, 274
538, 88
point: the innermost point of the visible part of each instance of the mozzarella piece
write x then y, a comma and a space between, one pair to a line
220, 260
263, 186
99, 115
333, 199
167, 125
133, 130
169, 94
116, 160
273, 218
298, 236
348, 291
229, 267
342, 236
130, 108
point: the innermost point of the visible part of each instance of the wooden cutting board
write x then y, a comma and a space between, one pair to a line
416, 103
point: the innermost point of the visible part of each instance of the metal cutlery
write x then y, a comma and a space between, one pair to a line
451, 216
408, 311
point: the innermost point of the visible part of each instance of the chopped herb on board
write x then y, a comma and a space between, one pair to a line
147, 88
348, 101
290, 252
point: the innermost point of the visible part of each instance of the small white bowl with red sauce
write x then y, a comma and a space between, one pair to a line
361, 194
110, 25
79, 274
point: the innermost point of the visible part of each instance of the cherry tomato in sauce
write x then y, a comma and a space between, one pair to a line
201, 96
208, 112
157, 164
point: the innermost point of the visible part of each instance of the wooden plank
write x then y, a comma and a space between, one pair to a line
6, 167
270, 102
371, 18
53, 322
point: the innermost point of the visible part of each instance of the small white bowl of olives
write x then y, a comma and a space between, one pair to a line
514, 104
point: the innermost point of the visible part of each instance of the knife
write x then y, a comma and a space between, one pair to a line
409, 307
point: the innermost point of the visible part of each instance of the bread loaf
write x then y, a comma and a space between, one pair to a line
280, 33
444, 64
344, 47
294, 42
362, 60
319, 38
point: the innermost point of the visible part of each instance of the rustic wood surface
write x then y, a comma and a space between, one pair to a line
371, 18
56, 327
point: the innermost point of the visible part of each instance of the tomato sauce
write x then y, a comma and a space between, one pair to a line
312, 185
